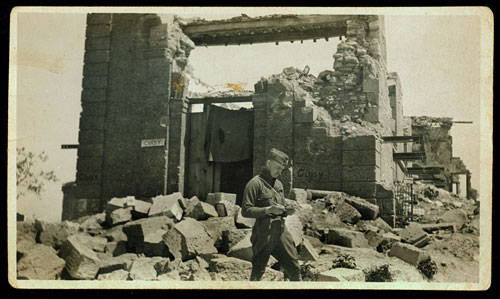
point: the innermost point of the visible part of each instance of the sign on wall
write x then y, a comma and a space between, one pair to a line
152, 142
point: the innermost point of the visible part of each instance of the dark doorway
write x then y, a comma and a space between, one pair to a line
234, 177
219, 151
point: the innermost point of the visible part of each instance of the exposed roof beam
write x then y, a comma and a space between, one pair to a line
261, 30
220, 100
402, 139
409, 156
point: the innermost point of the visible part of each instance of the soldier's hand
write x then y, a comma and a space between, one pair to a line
275, 210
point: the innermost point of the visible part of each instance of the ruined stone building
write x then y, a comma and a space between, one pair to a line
343, 130
441, 168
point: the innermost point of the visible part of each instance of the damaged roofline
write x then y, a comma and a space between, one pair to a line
263, 30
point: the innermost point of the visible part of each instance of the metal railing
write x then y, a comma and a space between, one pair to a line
404, 199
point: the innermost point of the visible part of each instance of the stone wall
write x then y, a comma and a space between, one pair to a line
437, 145
133, 90
331, 125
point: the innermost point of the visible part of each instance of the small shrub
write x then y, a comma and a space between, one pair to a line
378, 274
427, 267
344, 260
308, 272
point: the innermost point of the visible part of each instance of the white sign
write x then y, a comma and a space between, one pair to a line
152, 142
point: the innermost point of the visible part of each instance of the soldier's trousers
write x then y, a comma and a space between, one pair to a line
278, 242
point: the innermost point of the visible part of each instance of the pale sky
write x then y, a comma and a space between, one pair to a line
437, 59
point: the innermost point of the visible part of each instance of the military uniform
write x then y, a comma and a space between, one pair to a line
269, 234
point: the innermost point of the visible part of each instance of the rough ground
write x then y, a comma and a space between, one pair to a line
174, 238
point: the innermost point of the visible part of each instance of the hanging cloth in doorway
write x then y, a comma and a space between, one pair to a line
229, 135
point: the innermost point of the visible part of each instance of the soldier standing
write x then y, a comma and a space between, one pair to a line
264, 200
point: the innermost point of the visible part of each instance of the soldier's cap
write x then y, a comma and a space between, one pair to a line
278, 156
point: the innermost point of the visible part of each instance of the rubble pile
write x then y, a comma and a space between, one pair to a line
163, 238
169, 237
438, 205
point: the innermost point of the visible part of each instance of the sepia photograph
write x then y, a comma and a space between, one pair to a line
250, 148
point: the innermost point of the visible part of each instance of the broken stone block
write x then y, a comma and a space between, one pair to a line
26, 230
243, 222
113, 204
388, 239
190, 204
95, 243
130, 201
172, 275
346, 238
234, 236
242, 249
307, 251
342, 274
143, 269
233, 269
415, 235
213, 198
458, 216
381, 224
187, 239
54, 234
408, 253
81, 261
295, 227
111, 264
115, 234
431, 227
366, 225
40, 262
120, 216
93, 223
196, 272
203, 263
373, 238
141, 209
167, 205
367, 210
115, 275
220, 208
211, 256
23, 246
215, 226
202, 211
138, 229
380, 239
347, 213
182, 203
116, 248
299, 195
162, 264
315, 242
153, 244
224, 203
